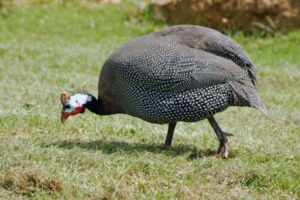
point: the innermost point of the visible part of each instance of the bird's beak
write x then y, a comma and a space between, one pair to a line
64, 117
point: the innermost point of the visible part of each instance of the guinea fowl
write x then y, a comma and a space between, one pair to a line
181, 73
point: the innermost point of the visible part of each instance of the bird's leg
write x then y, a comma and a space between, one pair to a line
170, 134
223, 147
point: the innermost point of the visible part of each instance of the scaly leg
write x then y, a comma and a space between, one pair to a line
223, 147
170, 134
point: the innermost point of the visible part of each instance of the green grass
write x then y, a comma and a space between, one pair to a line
45, 49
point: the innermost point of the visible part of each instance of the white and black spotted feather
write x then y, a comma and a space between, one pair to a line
181, 73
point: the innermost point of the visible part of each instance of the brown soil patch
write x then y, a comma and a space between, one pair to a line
246, 15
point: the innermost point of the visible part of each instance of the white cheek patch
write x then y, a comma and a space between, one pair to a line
75, 101
78, 100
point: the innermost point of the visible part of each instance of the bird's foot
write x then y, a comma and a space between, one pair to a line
222, 151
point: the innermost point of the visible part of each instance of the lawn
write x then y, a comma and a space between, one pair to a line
48, 48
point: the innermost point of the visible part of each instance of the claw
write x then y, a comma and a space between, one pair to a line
222, 151
225, 154
223, 147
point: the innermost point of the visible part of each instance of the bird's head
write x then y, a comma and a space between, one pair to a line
73, 104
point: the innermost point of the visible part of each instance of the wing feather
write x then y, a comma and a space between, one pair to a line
182, 58
212, 41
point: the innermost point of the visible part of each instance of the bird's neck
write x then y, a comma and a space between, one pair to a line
97, 106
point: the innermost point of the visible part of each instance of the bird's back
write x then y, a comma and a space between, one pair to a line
182, 73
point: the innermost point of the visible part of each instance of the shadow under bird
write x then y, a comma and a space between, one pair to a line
181, 73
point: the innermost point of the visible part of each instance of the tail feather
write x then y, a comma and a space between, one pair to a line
247, 95
258, 103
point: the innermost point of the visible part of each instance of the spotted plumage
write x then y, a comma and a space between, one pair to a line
181, 73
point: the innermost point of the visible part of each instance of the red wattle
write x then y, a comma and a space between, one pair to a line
79, 108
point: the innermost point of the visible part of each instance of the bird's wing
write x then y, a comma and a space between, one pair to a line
181, 58
179, 68
212, 41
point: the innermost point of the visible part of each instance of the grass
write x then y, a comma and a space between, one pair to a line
48, 48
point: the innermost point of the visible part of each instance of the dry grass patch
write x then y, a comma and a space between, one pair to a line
26, 182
